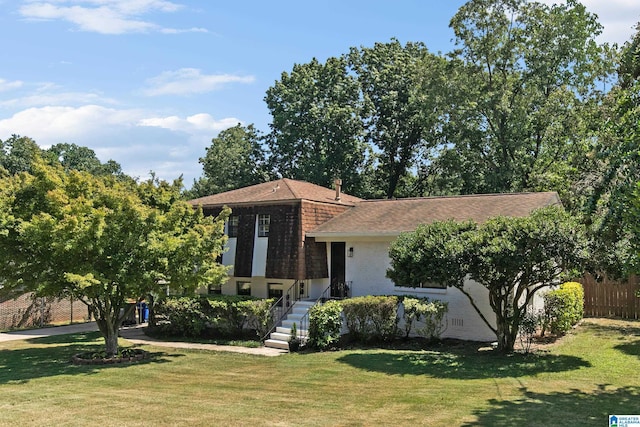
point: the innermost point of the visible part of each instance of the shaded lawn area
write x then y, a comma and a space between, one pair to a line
579, 381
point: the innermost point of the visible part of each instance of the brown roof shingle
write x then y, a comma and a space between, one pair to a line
282, 190
391, 217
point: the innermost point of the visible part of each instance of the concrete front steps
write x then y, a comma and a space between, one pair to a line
280, 338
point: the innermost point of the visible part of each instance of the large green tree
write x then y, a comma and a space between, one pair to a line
523, 79
103, 240
401, 87
317, 128
18, 153
234, 159
72, 156
616, 174
512, 258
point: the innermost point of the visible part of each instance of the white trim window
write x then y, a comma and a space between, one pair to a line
263, 225
232, 226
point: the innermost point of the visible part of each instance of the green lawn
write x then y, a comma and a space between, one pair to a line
593, 372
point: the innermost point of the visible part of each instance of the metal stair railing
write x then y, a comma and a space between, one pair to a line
283, 306
304, 321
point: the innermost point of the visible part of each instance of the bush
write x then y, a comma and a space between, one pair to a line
183, 316
430, 312
563, 308
371, 317
220, 315
261, 318
325, 325
528, 328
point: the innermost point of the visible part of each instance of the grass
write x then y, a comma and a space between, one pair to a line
248, 342
579, 381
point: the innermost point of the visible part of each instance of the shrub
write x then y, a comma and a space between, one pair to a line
563, 308
221, 315
182, 316
371, 317
325, 325
432, 314
260, 317
528, 327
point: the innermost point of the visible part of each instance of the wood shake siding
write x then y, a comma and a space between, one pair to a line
314, 214
283, 250
287, 256
244, 247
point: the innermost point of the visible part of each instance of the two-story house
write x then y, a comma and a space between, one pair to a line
288, 232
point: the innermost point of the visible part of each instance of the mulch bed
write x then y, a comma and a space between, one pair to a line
93, 358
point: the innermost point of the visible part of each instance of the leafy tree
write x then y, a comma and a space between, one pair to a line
400, 85
18, 153
633, 218
617, 171
317, 130
102, 240
234, 159
523, 80
72, 156
512, 258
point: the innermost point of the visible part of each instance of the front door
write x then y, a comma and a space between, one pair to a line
338, 269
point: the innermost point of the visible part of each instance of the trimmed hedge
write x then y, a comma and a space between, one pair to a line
563, 308
431, 313
371, 318
325, 325
219, 315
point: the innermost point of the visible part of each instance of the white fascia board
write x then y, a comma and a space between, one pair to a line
342, 236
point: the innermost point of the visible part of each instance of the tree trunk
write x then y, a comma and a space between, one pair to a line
109, 331
506, 336
111, 343
152, 311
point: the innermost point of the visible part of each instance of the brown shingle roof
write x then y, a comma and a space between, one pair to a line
391, 217
282, 190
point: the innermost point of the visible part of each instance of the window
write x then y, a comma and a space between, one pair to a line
214, 289
263, 225
243, 288
232, 230
431, 285
275, 290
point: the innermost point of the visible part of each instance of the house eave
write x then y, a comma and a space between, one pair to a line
353, 235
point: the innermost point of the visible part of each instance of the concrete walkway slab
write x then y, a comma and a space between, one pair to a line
48, 332
136, 335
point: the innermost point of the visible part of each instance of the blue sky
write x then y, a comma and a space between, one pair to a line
148, 83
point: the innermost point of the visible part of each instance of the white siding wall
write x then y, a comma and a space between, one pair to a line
229, 256
259, 266
367, 272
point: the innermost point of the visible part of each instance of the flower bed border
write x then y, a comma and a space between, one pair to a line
78, 359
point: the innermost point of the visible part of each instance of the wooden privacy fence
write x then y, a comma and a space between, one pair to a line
609, 298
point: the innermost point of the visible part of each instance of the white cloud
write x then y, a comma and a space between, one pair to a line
103, 16
618, 17
196, 124
189, 81
137, 139
187, 30
52, 124
59, 99
5, 85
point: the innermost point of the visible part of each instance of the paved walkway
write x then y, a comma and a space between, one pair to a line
47, 332
134, 334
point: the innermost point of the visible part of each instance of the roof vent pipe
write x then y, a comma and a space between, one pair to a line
338, 183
